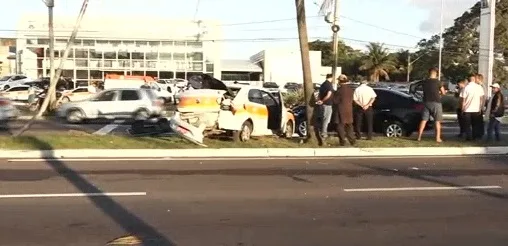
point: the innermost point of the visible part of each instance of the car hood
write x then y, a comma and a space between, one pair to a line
204, 81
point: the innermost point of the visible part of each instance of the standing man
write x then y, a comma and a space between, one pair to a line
364, 97
344, 116
496, 106
325, 101
460, 115
472, 104
479, 122
432, 91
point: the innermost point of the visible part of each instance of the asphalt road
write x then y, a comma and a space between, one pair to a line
351, 201
120, 127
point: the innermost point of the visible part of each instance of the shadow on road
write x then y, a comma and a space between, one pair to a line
132, 224
422, 177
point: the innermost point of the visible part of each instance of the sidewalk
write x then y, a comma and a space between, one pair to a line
251, 153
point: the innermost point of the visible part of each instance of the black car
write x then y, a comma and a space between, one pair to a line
396, 114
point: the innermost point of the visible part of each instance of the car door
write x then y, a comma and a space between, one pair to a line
257, 111
381, 108
274, 108
105, 104
130, 101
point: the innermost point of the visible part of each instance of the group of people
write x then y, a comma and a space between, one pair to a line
471, 108
341, 101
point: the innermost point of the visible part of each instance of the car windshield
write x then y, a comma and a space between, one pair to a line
270, 85
5, 78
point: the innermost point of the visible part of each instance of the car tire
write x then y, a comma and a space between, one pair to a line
302, 129
142, 114
6, 87
244, 134
394, 129
289, 130
74, 116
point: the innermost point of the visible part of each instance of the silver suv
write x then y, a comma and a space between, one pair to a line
139, 104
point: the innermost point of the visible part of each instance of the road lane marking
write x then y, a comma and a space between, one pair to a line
108, 128
59, 195
424, 188
234, 158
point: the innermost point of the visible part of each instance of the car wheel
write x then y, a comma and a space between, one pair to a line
394, 129
74, 116
245, 133
289, 129
302, 129
142, 114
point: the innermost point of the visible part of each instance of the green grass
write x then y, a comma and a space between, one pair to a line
85, 141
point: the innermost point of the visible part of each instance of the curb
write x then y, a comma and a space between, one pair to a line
245, 153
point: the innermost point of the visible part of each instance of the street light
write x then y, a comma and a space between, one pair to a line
335, 29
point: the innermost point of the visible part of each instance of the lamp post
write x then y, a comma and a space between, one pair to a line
441, 40
335, 29
51, 33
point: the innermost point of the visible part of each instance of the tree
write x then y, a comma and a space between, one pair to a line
378, 62
54, 80
348, 58
308, 87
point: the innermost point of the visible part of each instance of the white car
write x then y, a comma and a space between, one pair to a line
112, 104
16, 93
78, 94
7, 82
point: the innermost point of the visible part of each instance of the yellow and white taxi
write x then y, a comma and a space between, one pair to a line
16, 93
77, 94
243, 111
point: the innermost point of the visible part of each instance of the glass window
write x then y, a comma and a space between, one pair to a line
209, 67
195, 56
81, 63
102, 42
123, 55
152, 56
78, 42
167, 43
61, 41
268, 100
195, 44
57, 53
115, 43
21, 88
179, 44
197, 66
154, 43
141, 43
88, 42
43, 41
106, 96
165, 56
81, 74
151, 64
129, 95
81, 53
109, 55
138, 55
79, 90
179, 56
255, 96
97, 54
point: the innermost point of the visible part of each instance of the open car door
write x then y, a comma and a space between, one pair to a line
274, 111
416, 89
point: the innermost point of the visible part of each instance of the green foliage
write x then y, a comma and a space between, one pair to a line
378, 62
294, 98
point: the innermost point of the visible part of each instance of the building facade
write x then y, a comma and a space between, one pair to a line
7, 56
152, 47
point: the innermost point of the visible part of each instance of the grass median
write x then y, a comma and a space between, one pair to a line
85, 141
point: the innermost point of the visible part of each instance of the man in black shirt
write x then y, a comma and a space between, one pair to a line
432, 91
325, 101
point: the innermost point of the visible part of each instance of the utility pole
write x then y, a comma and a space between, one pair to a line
441, 40
51, 4
408, 65
335, 30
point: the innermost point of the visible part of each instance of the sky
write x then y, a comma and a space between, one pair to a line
261, 24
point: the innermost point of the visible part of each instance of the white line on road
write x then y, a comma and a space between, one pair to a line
73, 195
227, 158
108, 128
424, 188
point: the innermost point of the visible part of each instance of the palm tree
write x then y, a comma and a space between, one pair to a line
378, 62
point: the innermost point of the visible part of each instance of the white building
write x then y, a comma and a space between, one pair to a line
275, 65
130, 46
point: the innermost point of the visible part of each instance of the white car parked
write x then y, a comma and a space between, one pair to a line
7, 82
78, 94
16, 93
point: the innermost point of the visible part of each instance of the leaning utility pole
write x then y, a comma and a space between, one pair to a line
325, 7
56, 76
308, 87
51, 4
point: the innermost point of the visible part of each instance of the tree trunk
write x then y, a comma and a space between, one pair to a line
308, 87
54, 80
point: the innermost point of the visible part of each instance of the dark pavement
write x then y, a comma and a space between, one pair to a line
257, 202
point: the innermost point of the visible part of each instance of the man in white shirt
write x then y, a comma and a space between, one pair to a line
364, 97
473, 97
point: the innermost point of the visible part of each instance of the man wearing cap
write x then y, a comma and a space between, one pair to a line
343, 99
496, 106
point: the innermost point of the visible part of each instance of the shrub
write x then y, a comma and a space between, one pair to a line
294, 98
